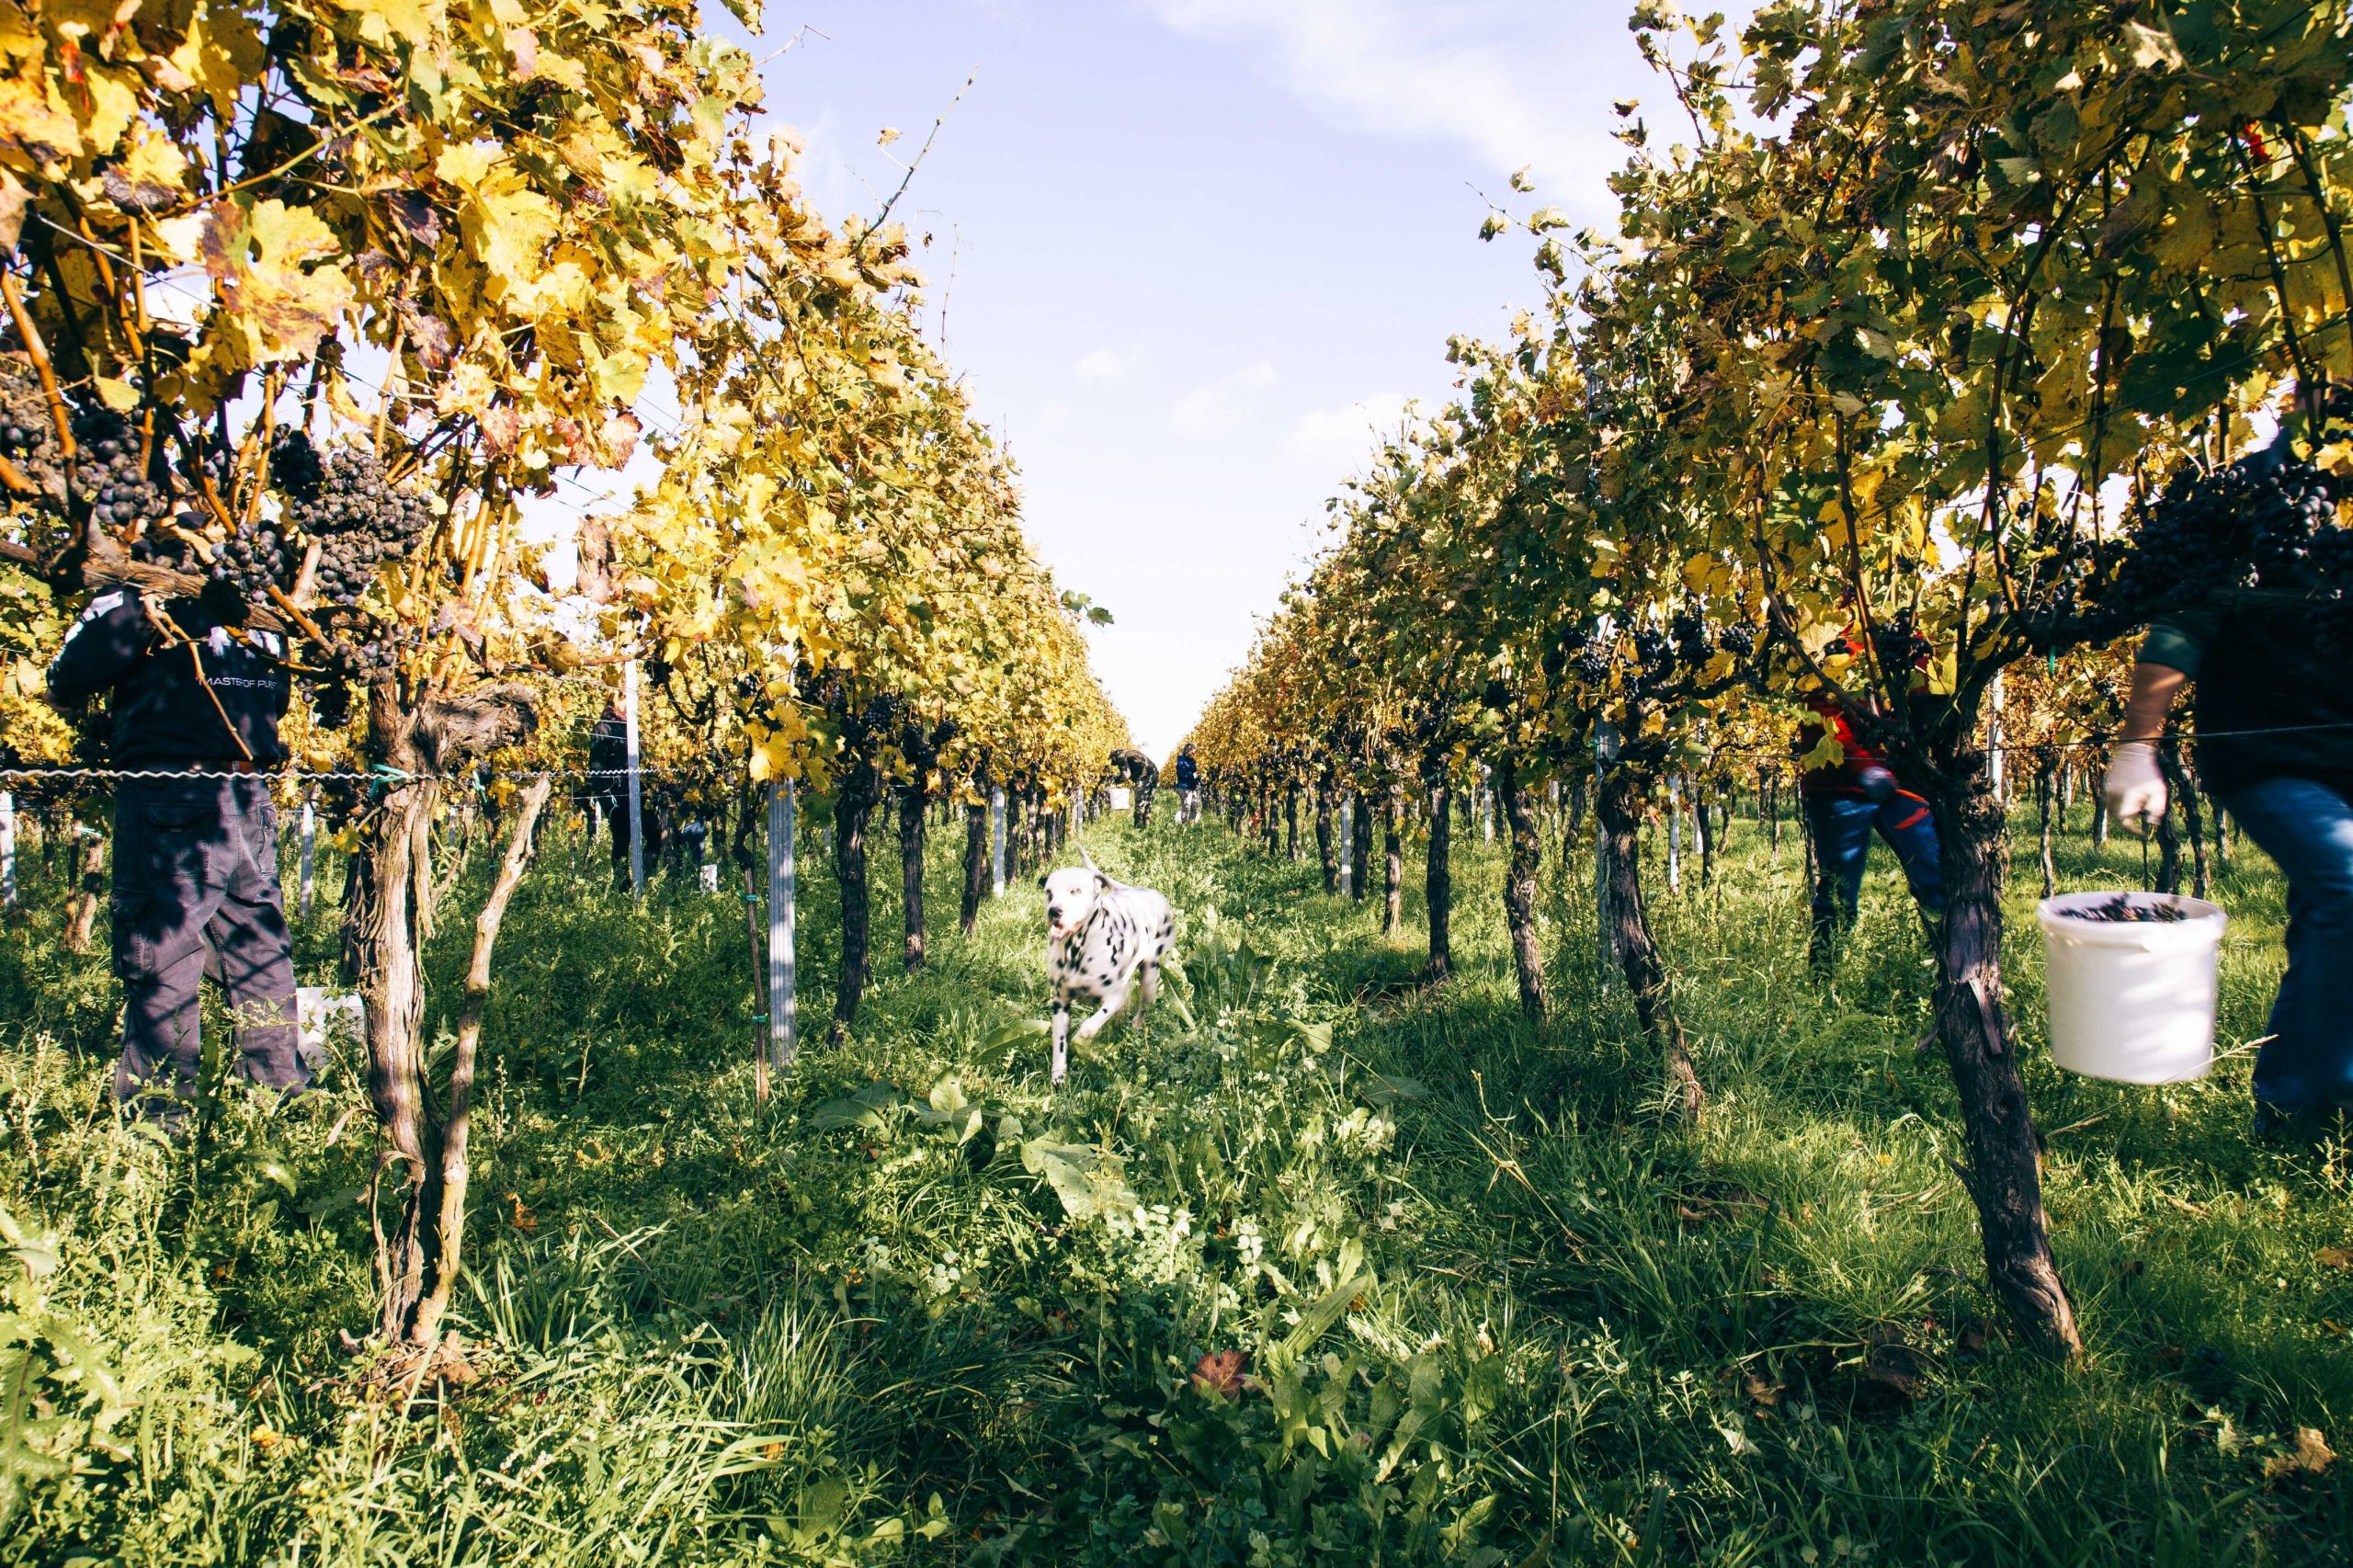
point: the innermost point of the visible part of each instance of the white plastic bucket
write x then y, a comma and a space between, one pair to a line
2131, 1000
1122, 798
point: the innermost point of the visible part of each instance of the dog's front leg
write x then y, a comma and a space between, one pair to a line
1061, 1033
1113, 1000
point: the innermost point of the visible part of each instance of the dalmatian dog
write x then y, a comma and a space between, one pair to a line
1102, 937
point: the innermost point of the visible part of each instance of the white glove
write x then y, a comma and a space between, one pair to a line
2135, 785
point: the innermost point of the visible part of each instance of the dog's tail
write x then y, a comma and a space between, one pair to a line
1099, 870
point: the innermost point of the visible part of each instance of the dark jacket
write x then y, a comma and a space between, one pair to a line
609, 757
2274, 699
1188, 773
164, 714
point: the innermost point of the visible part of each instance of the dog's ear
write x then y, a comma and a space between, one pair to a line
1102, 882
1042, 881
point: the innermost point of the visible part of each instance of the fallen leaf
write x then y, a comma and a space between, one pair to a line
2335, 1258
2312, 1453
1220, 1375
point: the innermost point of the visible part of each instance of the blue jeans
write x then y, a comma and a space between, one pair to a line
2307, 1065
1842, 827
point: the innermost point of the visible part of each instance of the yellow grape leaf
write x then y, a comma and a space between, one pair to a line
270, 264
468, 390
35, 123
113, 100
13, 199
219, 55
383, 20
121, 396
154, 162
509, 230
466, 164
620, 376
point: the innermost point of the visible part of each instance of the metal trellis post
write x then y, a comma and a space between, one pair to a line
996, 841
783, 976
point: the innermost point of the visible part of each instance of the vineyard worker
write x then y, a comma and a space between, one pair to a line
2275, 714
609, 780
1845, 802
1188, 785
195, 855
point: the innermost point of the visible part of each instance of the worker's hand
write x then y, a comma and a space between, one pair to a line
2136, 786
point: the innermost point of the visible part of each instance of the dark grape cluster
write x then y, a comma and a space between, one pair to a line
108, 477
254, 558
380, 653
2266, 521
1689, 630
27, 433
1898, 644
1660, 657
345, 502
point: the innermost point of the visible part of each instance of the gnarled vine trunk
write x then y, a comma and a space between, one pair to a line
2192, 831
2004, 1174
2043, 780
1618, 815
1330, 863
1360, 847
1438, 886
853, 805
1393, 869
1519, 885
89, 886
418, 1262
911, 837
976, 865
1704, 828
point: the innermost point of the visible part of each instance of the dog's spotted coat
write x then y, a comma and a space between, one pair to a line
1103, 938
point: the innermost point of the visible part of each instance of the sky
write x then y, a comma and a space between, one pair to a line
1187, 255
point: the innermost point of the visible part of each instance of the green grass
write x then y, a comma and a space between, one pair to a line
1489, 1310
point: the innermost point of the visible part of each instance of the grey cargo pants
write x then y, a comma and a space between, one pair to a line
196, 893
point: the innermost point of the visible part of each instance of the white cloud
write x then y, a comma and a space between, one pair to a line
1338, 441
1105, 367
1218, 408
1422, 70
